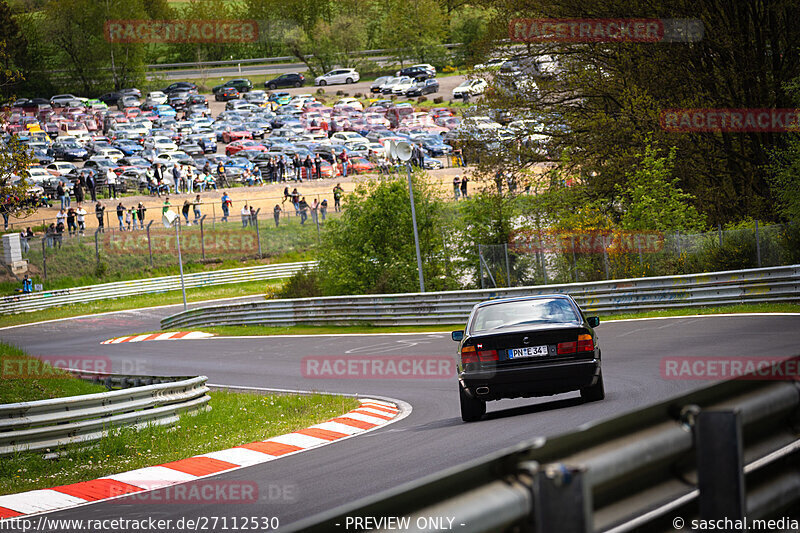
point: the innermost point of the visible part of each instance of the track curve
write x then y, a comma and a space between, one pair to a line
433, 437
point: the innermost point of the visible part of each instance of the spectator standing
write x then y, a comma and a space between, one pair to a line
187, 205
61, 217
308, 164
196, 206
72, 228
91, 184
80, 186
188, 176
296, 201
80, 216
60, 192
276, 214
456, 187
141, 210
464, 181
271, 170
281, 168
226, 206
165, 206
323, 208
177, 177
23, 240
120, 213
99, 212
111, 181
318, 166
345, 160
303, 207
221, 179
337, 197
253, 216
286, 195
314, 210
245, 215
130, 216
297, 165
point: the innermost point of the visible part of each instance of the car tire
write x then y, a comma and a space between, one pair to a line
298, 84
323, 83
271, 87
595, 392
472, 409
348, 81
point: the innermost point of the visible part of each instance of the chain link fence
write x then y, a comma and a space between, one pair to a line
542, 257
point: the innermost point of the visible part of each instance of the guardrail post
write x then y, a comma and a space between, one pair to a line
149, 244
258, 235
720, 466
202, 242
44, 258
562, 502
758, 246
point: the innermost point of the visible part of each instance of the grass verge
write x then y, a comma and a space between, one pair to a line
357, 329
25, 379
235, 419
144, 300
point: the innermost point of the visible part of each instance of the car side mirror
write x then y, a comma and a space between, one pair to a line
457, 336
593, 321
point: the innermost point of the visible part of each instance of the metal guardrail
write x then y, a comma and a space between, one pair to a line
775, 284
268, 60
42, 300
728, 451
48, 424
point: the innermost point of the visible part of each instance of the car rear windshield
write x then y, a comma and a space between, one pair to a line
521, 313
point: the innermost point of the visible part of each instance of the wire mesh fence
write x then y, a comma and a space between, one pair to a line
544, 256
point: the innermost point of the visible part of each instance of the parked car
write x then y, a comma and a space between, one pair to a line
155, 98
225, 94
341, 75
180, 86
525, 347
417, 72
470, 87
378, 83
428, 86
69, 151
492, 64
241, 85
291, 79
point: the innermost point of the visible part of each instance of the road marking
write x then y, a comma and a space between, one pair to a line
175, 335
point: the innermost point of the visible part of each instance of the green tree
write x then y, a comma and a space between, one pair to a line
651, 198
414, 28
370, 249
329, 44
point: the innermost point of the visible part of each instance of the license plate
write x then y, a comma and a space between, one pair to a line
530, 351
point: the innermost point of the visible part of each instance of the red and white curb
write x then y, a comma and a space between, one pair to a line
370, 415
173, 335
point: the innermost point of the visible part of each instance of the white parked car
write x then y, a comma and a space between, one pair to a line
110, 153
347, 136
492, 64
339, 75
156, 98
163, 144
351, 102
402, 86
470, 87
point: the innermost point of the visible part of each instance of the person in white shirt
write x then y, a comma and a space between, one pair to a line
245, 215
80, 215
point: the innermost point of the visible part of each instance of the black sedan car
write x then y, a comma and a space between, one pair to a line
428, 86
292, 79
526, 347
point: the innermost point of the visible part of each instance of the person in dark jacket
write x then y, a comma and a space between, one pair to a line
318, 166
309, 166
303, 206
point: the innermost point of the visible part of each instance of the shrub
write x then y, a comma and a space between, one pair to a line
304, 284
347, 95
448, 69
422, 99
339, 92
438, 100
320, 91
358, 95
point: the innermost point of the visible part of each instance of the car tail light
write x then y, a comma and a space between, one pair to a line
565, 348
487, 355
468, 355
585, 343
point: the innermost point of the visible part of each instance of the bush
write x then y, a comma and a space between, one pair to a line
304, 284
340, 93
438, 100
448, 69
358, 95
422, 99
347, 95
320, 91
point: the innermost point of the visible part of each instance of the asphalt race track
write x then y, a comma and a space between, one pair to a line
432, 437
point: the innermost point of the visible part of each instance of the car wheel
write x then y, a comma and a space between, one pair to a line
271, 87
595, 392
348, 80
472, 409
298, 84
323, 83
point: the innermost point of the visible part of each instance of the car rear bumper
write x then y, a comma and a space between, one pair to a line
538, 380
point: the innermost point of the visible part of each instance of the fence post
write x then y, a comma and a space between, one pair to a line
562, 500
97, 248
639, 245
758, 245
480, 265
213, 216
605, 256
541, 256
508, 266
44, 258
258, 235
149, 244
202, 242
719, 232
574, 261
